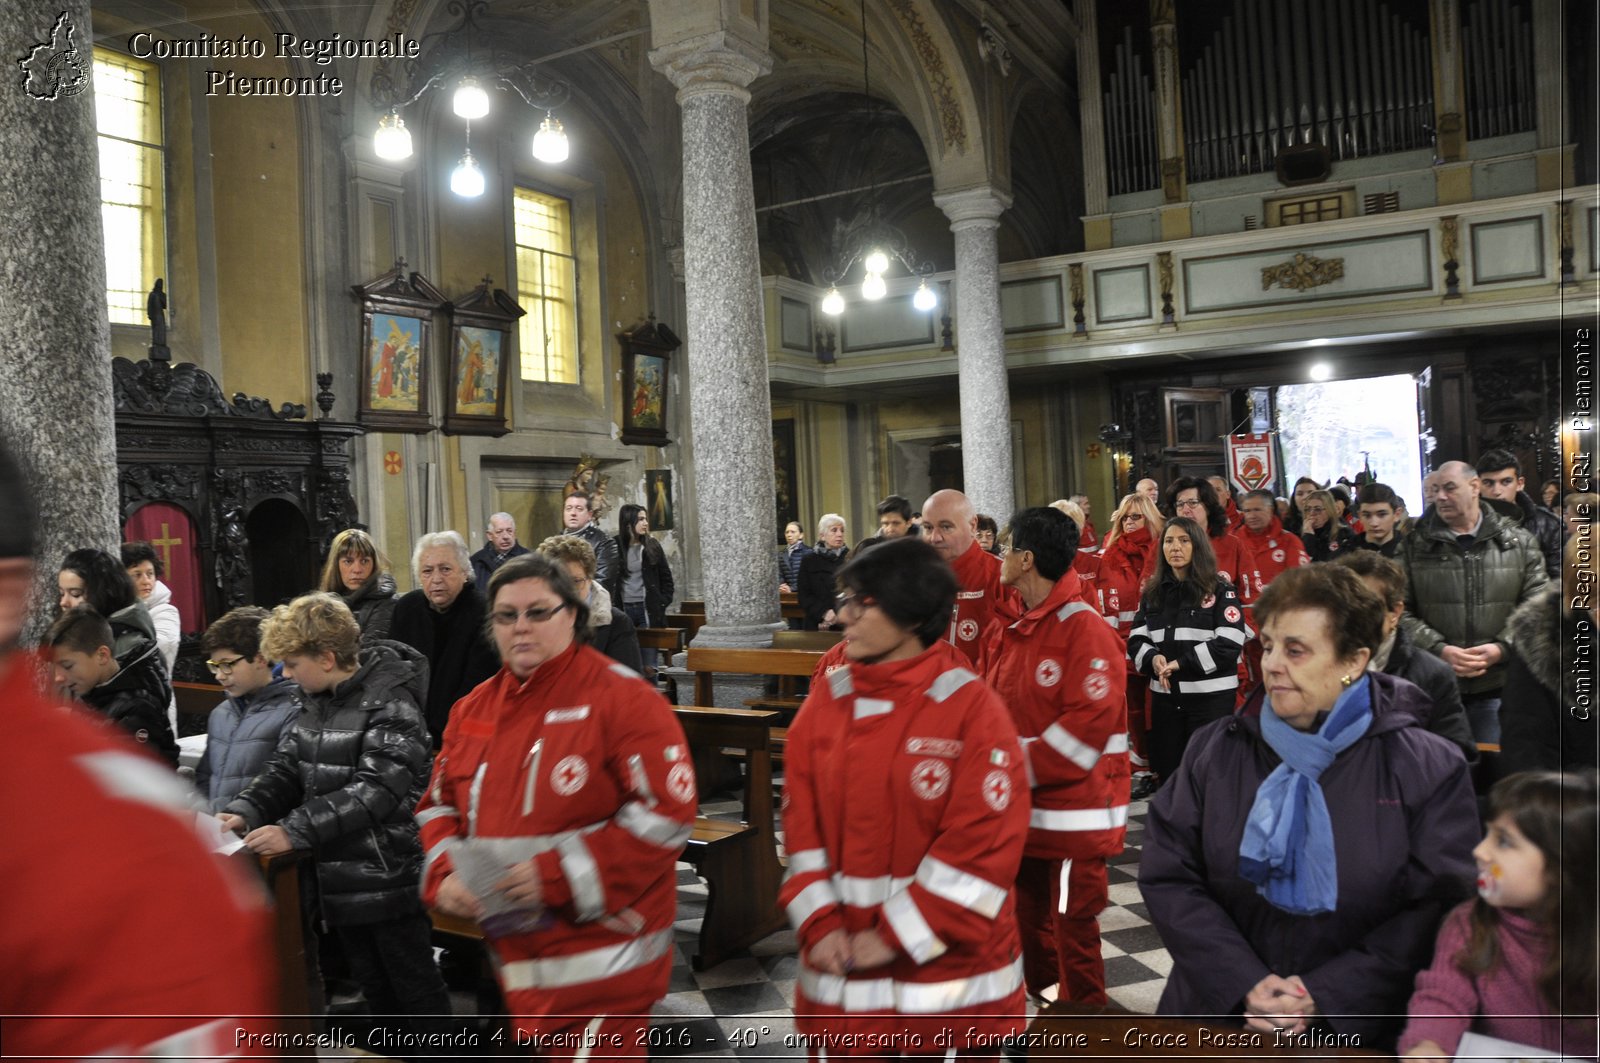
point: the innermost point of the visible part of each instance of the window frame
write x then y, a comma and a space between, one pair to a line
154, 244
535, 304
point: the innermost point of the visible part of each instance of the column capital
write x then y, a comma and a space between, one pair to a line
717, 62
978, 207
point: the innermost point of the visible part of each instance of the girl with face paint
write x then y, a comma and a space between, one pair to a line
1498, 969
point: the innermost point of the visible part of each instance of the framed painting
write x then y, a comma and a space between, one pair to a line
397, 311
646, 383
480, 361
658, 498
784, 480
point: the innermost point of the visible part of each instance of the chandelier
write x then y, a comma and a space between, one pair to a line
874, 242
462, 62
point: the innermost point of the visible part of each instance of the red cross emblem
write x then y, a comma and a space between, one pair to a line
997, 790
569, 775
391, 462
930, 779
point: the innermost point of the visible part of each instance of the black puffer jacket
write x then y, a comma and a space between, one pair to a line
373, 605
344, 781
135, 699
1545, 527
1548, 719
1448, 717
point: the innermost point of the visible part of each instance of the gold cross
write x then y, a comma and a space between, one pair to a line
165, 545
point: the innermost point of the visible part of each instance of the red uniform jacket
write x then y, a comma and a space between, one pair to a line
123, 936
1122, 568
584, 769
1274, 552
905, 811
1059, 669
982, 598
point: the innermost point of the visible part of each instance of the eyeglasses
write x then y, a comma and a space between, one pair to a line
225, 667
533, 614
1190, 503
859, 602
1135, 518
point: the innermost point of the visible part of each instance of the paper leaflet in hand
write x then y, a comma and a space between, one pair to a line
480, 866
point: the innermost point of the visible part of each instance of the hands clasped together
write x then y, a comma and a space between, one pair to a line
1279, 1004
840, 952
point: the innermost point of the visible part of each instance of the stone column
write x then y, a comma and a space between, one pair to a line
1092, 126
1169, 101
729, 403
974, 215
55, 384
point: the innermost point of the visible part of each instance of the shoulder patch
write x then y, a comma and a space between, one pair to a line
949, 682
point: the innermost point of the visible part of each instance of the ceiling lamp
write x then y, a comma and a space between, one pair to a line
467, 178
470, 101
550, 142
833, 303
873, 288
876, 262
924, 299
392, 141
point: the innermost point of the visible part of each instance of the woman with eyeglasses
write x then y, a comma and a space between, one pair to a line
1186, 641
1135, 530
905, 813
558, 806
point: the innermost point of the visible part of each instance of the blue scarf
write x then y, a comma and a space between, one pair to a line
1287, 847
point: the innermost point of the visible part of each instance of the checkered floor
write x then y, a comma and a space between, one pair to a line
744, 1007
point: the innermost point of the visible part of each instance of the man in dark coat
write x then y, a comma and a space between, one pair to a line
1404, 824
1501, 479
444, 620
500, 546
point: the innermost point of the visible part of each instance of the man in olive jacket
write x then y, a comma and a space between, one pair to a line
1467, 569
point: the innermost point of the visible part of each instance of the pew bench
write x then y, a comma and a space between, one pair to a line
706, 662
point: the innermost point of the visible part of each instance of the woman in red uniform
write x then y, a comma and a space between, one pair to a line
559, 803
905, 812
1135, 530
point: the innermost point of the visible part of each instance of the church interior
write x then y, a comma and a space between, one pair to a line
747, 262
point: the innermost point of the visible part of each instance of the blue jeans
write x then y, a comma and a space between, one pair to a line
1483, 716
635, 611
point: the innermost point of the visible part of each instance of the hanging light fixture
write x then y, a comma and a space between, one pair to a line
876, 244
452, 59
550, 142
392, 141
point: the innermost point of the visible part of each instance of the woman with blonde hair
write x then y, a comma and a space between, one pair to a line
358, 572
1135, 528
608, 628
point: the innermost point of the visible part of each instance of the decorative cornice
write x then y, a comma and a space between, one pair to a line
1302, 273
971, 208
952, 123
720, 62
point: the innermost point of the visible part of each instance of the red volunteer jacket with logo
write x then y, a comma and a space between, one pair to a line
584, 769
1275, 551
982, 598
905, 811
1060, 671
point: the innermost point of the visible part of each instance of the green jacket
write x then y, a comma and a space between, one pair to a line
1464, 596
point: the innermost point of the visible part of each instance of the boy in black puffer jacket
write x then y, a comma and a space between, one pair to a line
132, 695
342, 784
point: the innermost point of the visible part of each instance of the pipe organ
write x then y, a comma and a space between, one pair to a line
1497, 49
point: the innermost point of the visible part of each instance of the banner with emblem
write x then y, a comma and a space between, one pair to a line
1252, 461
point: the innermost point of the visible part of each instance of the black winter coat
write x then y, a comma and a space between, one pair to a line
373, 605
458, 652
659, 587
1329, 541
1549, 529
136, 699
483, 565
1404, 825
343, 784
1548, 715
1448, 717
816, 590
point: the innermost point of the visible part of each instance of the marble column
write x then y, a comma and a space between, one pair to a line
55, 385
974, 215
730, 406
1091, 116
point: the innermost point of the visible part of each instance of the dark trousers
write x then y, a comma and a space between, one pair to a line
1173, 722
635, 612
392, 961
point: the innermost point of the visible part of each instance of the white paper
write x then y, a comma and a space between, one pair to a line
214, 836
1483, 1049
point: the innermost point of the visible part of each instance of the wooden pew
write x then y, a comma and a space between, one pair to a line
689, 622
739, 861
1067, 1030
705, 662
790, 605
197, 699
281, 874
664, 641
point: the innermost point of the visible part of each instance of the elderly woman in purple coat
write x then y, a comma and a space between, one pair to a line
1299, 863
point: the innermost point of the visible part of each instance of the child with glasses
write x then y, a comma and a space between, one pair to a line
244, 729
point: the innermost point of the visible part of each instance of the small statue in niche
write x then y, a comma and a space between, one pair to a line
583, 477
156, 309
601, 503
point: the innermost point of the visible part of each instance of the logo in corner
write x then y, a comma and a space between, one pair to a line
55, 68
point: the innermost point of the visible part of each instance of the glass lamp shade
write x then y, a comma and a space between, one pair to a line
470, 100
392, 141
924, 299
876, 262
550, 142
833, 303
1321, 371
467, 178
873, 287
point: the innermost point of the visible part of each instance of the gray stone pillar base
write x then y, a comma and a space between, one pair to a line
737, 636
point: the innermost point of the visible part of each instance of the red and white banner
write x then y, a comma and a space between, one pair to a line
1251, 461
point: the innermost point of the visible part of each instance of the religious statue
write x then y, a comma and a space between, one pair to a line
583, 477
601, 503
156, 309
